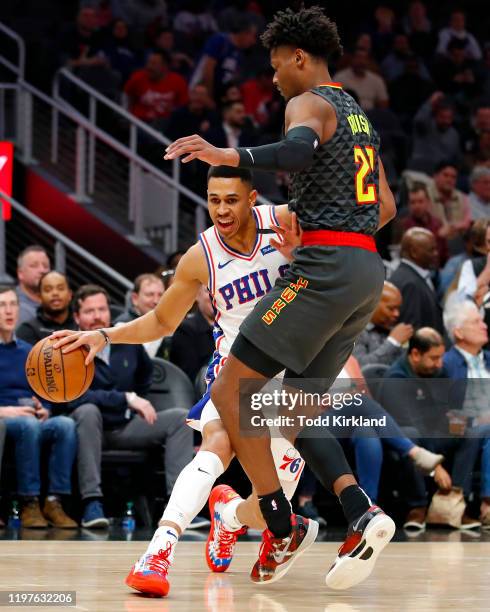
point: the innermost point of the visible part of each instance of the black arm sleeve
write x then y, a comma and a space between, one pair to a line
292, 154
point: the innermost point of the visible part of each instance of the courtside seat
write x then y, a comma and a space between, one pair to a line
171, 387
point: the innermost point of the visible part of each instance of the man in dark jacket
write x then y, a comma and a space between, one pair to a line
192, 342
235, 129
420, 401
114, 413
419, 256
54, 312
147, 291
469, 364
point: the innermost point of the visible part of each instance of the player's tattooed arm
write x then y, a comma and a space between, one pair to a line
387, 205
173, 306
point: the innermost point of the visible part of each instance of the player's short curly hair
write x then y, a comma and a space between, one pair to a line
308, 29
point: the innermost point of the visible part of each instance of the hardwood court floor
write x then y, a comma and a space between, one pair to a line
409, 577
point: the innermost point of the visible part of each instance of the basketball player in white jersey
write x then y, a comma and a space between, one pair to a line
238, 260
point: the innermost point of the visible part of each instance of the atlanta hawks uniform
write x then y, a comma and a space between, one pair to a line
237, 281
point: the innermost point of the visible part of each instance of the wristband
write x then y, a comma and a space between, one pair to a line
106, 336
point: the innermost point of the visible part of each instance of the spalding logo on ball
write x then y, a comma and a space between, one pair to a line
55, 376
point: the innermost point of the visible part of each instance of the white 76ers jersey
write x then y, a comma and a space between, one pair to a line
237, 281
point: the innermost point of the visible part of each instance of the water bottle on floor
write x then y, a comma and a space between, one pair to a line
14, 517
129, 523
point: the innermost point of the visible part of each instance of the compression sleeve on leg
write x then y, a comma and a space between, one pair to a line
192, 488
292, 154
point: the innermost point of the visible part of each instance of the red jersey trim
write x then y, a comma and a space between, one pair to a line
336, 85
332, 238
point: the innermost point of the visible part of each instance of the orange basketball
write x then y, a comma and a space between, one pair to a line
56, 376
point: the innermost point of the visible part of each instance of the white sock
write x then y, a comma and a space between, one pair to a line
161, 539
192, 488
230, 517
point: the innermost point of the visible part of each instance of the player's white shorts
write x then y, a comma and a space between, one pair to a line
289, 463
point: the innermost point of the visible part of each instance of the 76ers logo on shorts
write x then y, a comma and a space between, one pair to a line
292, 462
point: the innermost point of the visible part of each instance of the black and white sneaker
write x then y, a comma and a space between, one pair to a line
357, 556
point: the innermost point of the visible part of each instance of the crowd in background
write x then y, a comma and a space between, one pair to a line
420, 70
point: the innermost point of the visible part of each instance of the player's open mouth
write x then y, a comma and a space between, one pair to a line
225, 225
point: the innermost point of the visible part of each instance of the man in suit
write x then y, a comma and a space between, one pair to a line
467, 362
383, 339
420, 401
419, 256
113, 412
235, 129
193, 342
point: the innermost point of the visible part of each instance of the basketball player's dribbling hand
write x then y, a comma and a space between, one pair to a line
289, 235
195, 147
69, 340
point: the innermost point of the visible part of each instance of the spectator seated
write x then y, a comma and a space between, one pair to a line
29, 426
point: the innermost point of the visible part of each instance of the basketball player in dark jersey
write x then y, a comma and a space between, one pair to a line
308, 323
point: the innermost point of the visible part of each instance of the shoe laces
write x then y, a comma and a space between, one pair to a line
160, 562
226, 541
269, 545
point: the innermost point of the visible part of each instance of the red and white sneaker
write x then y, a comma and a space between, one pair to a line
277, 555
357, 556
221, 542
149, 574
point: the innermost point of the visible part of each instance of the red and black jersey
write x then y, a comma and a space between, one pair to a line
339, 191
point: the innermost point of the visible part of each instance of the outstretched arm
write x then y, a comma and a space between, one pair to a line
173, 306
309, 121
